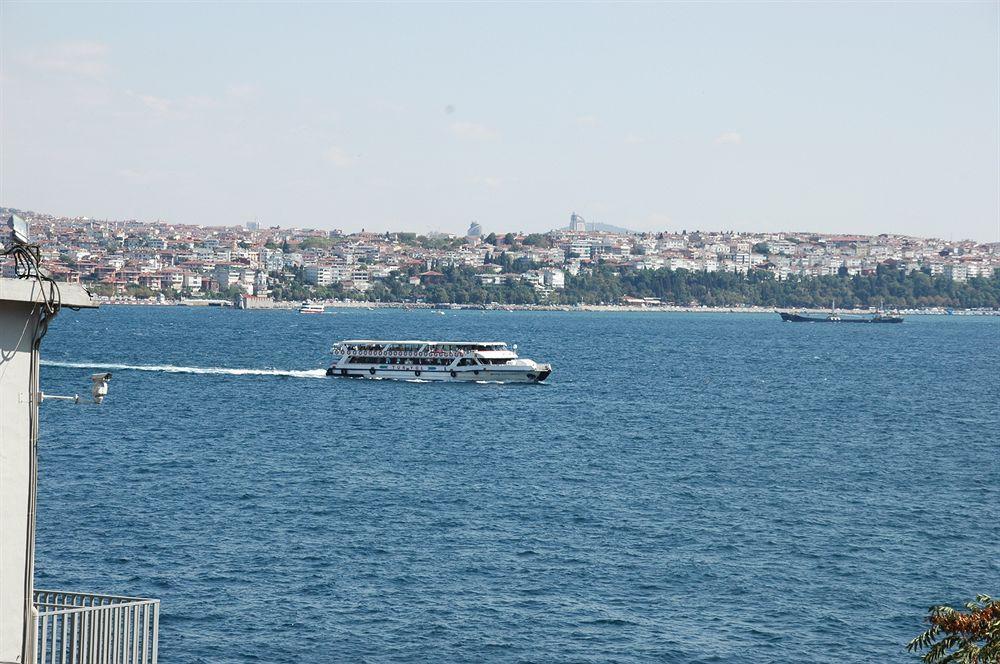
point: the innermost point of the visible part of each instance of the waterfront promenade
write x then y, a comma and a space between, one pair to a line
359, 304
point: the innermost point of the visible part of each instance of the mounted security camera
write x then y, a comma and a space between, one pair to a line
100, 388
98, 391
18, 229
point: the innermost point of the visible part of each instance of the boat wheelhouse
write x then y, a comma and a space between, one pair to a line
435, 360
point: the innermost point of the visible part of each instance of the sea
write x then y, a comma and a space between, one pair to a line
701, 487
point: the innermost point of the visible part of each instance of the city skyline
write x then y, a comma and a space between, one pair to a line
592, 226
158, 256
861, 119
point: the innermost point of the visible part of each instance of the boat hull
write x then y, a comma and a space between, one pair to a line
797, 318
442, 374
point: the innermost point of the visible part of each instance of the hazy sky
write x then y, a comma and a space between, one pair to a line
849, 117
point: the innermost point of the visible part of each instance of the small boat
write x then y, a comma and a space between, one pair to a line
312, 308
435, 361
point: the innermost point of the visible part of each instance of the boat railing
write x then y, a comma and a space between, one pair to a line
342, 349
406, 353
88, 628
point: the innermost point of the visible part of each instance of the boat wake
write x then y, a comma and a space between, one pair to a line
168, 368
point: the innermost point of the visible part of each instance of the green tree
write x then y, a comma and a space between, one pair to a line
142, 292
538, 240
963, 637
523, 264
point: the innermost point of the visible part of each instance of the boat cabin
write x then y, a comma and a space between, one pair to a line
440, 353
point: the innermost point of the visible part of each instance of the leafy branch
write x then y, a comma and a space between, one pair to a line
966, 637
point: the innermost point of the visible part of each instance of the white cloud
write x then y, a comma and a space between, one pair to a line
589, 121
156, 104
634, 139
200, 102
176, 107
729, 138
338, 157
77, 58
241, 91
489, 181
473, 131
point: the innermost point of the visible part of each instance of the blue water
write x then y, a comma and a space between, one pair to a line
686, 488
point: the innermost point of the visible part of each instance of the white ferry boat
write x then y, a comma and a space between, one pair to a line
435, 360
312, 308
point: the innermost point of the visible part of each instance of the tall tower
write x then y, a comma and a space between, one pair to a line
577, 223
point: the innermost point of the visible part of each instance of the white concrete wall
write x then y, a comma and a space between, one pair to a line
17, 325
20, 307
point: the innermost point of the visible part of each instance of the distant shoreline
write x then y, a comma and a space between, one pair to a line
606, 308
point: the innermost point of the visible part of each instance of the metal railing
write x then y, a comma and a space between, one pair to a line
85, 628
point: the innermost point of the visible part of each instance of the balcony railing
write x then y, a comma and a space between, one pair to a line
83, 628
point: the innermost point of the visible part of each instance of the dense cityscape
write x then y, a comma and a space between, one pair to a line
581, 263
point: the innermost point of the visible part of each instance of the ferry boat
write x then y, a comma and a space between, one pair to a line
312, 308
435, 360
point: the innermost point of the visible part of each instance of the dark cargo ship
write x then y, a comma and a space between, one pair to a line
833, 317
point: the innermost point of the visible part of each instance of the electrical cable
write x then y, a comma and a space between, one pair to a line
27, 265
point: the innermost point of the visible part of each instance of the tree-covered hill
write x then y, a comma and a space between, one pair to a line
604, 284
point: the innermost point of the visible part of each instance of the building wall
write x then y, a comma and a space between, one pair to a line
18, 316
16, 475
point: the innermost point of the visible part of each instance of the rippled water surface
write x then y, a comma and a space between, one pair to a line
686, 488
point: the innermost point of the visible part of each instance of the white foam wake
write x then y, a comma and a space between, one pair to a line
168, 368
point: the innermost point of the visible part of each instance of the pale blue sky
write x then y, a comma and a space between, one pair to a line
850, 117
